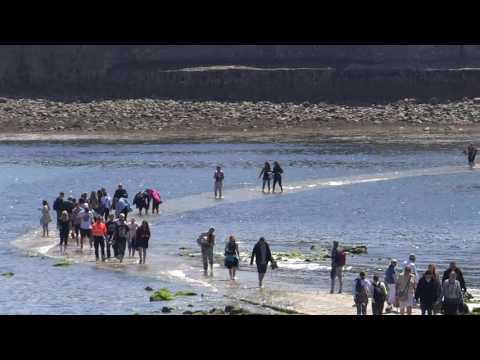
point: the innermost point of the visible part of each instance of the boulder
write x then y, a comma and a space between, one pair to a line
148, 288
166, 309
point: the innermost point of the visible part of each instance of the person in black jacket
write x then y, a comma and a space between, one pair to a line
277, 176
64, 231
262, 254
453, 267
58, 207
428, 292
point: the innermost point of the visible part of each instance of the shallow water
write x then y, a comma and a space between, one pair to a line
395, 198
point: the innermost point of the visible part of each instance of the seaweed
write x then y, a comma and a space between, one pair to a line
8, 274
166, 295
62, 263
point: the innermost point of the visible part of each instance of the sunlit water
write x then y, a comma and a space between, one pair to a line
396, 199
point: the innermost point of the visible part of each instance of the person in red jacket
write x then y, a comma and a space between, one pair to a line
99, 231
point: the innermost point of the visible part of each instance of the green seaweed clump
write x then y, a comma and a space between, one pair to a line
62, 263
166, 295
162, 295
476, 311
8, 274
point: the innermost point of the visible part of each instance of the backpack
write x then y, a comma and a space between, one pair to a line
379, 295
358, 286
341, 258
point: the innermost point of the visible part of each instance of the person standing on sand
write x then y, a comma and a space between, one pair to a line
277, 176
141, 240
452, 294
232, 254
361, 291
391, 279
267, 176
121, 237
77, 220
427, 292
133, 226
64, 231
453, 267
411, 264
106, 203
111, 226
379, 295
86, 222
99, 231
207, 243
218, 176
262, 255
405, 291
471, 153
58, 207
45, 219
339, 258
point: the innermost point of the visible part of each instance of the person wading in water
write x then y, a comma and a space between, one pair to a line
471, 153
218, 185
267, 176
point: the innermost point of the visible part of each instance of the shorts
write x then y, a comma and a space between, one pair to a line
262, 268
86, 232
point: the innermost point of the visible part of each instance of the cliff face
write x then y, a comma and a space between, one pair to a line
355, 72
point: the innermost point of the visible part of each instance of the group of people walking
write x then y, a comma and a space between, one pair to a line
404, 290
261, 254
103, 221
267, 174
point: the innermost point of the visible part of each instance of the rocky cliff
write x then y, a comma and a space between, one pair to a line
261, 72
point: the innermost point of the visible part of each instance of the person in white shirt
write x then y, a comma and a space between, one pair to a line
411, 264
86, 221
362, 290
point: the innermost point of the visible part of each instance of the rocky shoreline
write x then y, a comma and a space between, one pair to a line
164, 116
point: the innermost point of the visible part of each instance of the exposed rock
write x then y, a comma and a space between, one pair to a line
148, 288
167, 309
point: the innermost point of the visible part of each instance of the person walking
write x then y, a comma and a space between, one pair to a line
379, 295
207, 243
262, 255
123, 207
58, 207
277, 176
133, 226
339, 257
106, 204
121, 236
267, 176
86, 226
94, 203
459, 275
99, 231
141, 240
45, 219
452, 295
437, 306
232, 255
411, 264
77, 220
110, 238
405, 291
391, 279
156, 199
64, 231
140, 202
427, 292
218, 176
361, 291
471, 152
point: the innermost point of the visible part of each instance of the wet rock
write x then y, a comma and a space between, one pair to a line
190, 305
235, 310
167, 309
8, 274
148, 288
360, 249
187, 312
